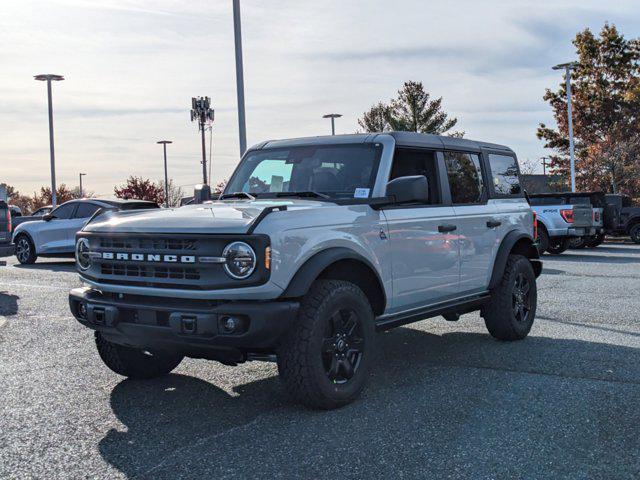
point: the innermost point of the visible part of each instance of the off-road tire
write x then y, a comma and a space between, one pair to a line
595, 241
543, 240
557, 245
634, 233
300, 358
132, 362
23, 241
499, 314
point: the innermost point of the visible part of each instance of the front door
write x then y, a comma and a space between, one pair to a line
53, 234
423, 238
424, 255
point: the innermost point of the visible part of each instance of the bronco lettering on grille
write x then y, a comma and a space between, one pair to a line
148, 257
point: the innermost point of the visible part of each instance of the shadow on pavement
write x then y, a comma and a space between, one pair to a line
588, 258
60, 266
8, 304
436, 404
629, 248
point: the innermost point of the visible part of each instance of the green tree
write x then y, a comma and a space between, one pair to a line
412, 110
605, 90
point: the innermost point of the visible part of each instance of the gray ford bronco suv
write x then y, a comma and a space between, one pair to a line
315, 244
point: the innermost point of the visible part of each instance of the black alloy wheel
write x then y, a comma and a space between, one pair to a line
25, 251
521, 298
343, 346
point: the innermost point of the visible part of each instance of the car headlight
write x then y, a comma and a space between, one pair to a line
240, 260
82, 254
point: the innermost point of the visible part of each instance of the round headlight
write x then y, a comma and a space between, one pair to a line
240, 260
82, 254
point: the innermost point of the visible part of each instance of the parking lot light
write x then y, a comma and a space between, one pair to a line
567, 67
333, 117
166, 177
49, 77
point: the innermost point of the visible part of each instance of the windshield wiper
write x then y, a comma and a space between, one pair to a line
304, 194
246, 195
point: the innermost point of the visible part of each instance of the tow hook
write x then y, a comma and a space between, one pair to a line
189, 325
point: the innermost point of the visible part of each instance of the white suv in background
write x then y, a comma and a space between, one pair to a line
54, 235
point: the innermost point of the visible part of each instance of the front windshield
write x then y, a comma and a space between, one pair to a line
337, 171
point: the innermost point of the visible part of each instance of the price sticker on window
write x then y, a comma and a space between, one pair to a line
361, 193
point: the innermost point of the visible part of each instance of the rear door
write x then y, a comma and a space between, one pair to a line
81, 216
422, 237
477, 236
52, 235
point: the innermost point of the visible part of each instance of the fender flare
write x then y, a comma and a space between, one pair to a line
508, 242
310, 270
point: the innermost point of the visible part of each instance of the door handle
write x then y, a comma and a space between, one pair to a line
446, 228
493, 223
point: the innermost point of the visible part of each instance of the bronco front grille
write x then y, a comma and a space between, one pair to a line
148, 271
155, 244
171, 261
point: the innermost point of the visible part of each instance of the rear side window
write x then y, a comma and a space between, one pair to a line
504, 172
85, 210
465, 177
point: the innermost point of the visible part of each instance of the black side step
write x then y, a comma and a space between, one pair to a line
461, 305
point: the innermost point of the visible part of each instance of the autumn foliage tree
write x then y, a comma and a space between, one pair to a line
605, 98
63, 194
412, 110
138, 188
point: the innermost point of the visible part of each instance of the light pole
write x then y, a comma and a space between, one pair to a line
567, 67
48, 77
80, 176
333, 117
237, 33
166, 177
202, 112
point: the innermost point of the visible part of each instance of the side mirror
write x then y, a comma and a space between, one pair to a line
413, 189
47, 217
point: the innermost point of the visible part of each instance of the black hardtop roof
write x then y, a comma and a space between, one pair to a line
413, 139
405, 139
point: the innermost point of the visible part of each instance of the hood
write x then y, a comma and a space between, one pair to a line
212, 217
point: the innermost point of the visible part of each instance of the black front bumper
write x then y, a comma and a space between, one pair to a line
194, 328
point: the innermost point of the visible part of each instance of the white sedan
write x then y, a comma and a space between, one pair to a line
54, 235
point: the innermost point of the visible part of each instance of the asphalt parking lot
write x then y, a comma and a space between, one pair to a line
445, 400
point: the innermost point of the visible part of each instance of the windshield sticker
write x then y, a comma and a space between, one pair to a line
361, 193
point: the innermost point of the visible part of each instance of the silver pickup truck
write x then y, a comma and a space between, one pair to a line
562, 217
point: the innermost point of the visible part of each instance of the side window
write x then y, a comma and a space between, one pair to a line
504, 171
465, 177
85, 210
408, 162
64, 212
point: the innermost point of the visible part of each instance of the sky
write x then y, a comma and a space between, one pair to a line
132, 66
